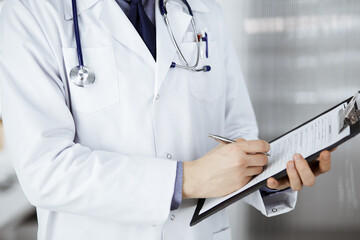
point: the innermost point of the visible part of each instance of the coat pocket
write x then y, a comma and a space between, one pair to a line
204, 86
104, 91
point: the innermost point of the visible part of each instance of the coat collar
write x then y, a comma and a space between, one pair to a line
196, 5
120, 27
83, 5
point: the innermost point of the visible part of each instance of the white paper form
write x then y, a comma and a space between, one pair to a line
307, 140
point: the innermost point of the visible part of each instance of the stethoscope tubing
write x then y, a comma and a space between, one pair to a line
77, 34
187, 66
178, 48
164, 11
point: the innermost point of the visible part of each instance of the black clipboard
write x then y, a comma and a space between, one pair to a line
354, 130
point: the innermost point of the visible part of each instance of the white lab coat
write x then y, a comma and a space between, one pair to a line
107, 171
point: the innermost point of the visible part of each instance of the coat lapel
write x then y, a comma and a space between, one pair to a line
115, 20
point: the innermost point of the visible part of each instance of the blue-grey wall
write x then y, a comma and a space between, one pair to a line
299, 58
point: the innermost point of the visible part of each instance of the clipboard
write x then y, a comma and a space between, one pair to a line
348, 117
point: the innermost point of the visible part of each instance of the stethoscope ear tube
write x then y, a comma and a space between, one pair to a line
187, 66
188, 7
163, 10
205, 68
162, 7
77, 34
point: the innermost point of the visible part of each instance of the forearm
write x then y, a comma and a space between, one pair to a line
73, 179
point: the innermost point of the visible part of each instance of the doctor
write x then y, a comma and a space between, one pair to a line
125, 154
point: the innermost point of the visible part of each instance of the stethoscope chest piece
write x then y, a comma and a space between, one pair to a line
82, 76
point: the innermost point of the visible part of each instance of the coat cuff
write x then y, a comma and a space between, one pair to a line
177, 197
273, 204
279, 202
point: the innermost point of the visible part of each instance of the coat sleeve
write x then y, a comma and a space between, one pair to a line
55, 173
241, 122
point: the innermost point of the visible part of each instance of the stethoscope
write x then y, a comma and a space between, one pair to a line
82, 76
187, 66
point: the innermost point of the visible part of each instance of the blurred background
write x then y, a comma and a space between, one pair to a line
299, 58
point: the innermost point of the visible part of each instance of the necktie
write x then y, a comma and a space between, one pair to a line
143, 25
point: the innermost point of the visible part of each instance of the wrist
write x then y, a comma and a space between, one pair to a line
188, 189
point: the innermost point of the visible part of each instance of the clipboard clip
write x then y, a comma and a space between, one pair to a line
350, 115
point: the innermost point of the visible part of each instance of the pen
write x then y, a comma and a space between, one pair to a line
207, 45
227, 140
205, 39
201, 39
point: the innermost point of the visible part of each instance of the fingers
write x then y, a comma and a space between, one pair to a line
294, 178
299, 172
304, 170
252, 171
243, 148
240, 140
280, 184
272, 183
324, 163
255, 146
256, 160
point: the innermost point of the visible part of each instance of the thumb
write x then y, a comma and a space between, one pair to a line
240, 140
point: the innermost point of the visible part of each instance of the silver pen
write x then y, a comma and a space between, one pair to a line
227, 140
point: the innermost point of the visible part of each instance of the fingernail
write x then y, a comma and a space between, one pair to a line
297, 157
291, 165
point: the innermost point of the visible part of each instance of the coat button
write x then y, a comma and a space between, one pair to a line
168, 156
172, 217
274, 210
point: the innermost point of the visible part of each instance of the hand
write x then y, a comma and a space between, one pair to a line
300, 173
224, 169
